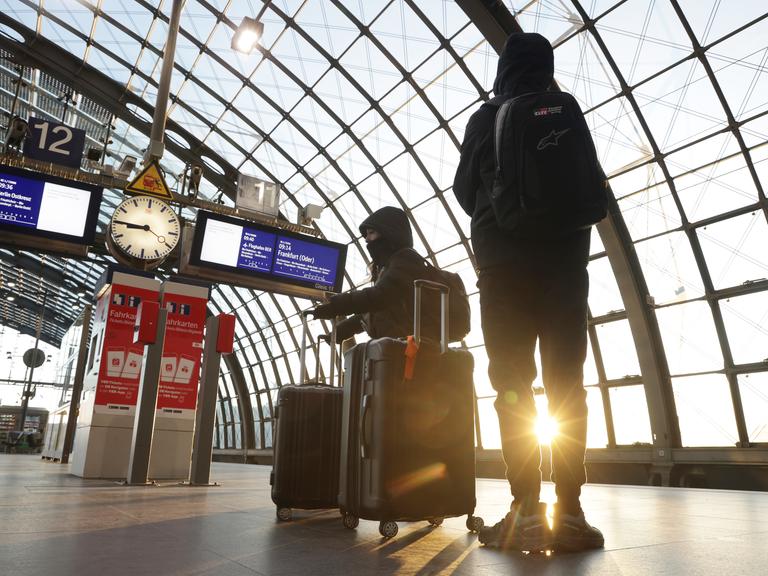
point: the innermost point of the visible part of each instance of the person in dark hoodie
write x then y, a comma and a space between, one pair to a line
529, 289
386, 308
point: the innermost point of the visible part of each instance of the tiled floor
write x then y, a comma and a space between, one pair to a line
54, 524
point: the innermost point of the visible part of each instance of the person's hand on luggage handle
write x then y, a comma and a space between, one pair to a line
323, 312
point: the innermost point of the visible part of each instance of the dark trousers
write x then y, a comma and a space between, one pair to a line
543, 297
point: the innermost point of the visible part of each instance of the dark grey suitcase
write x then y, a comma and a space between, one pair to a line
407, 446
305, 473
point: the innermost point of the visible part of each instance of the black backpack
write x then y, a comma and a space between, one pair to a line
548, 181
459, 313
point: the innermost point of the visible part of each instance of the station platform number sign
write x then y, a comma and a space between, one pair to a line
50, 141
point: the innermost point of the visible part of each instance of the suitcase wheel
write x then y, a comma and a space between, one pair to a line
474, 523
350, 521
284, 514
435, 521
388, 529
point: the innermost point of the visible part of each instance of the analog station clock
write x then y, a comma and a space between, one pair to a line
143, 231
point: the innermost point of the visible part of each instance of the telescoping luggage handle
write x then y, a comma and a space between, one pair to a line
444, 290
304, 376
414, 341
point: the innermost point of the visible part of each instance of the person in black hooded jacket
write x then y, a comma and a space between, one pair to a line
529, 289
386, 308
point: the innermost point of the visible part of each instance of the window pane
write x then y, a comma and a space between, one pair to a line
705, 410
650, 212
681, 105
482, 382
489, 424
630, 415
435, 225
754, 398
715, 189
689, 336
440, 157
268, 427
475, 335
408, 112
618, 136
710, 20
257, 435
746, 322
597, 433
572, 58
736, 64
633, 181
640, 54
669, 268
735, 249
618, 349
604, 295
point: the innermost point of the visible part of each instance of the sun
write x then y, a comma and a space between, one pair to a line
546, 428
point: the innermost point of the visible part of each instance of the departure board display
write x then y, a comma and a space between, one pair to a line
41, 205
245, 247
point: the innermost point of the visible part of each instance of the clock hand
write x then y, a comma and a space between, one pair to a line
160, 239
132, 225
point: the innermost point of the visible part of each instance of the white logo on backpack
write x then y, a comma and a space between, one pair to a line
551, 139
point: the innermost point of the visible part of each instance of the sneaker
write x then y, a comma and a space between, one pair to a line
574, 534
518, 532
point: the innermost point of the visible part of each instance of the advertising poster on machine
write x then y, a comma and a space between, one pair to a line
121, 359
182, 351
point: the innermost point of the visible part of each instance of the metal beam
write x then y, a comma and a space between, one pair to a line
492, 19
39, 52
77, 387
244, 401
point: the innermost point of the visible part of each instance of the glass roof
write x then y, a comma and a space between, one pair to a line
357, 104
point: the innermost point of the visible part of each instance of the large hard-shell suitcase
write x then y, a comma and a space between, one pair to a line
305, 473
407, 445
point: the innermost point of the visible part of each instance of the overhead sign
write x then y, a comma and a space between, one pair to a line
256, 195
150, 182
54, 208
265, 257
53, 142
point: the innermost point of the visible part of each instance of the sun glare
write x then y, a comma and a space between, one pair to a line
546, 429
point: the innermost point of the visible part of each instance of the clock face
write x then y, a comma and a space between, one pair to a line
144, 228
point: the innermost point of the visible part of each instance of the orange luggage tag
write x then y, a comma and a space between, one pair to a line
411, 350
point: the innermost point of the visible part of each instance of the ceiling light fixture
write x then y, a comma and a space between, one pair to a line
247, 35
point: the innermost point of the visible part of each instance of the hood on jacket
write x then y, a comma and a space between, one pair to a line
526, 64
392, 223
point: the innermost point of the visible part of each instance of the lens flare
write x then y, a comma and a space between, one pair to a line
417, 479
546, 429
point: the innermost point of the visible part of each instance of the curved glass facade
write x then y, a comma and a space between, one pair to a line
354, 105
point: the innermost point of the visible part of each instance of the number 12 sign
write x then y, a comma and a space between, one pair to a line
53, 142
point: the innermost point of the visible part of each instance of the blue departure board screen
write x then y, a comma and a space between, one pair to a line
236, 245
50, 207
256, 249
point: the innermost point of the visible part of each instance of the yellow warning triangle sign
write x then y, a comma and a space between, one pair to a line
150, 182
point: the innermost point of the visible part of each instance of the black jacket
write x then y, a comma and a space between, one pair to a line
386, 308
526, 64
